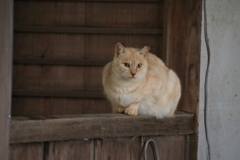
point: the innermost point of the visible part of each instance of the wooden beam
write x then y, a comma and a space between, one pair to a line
55, 128
149, 1
183, 43
84, 30
58, 94
6, 38
71, 62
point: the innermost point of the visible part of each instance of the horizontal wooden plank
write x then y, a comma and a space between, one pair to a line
84, 30
99, 0
54, 128
58, 94
68, 62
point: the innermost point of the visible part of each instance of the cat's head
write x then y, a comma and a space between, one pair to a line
130, 63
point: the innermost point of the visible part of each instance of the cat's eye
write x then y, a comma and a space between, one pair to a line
139, 65
126, 65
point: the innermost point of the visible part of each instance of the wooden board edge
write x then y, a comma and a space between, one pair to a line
88, 127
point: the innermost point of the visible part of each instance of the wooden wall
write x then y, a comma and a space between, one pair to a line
6, 26
169, 148
60, 49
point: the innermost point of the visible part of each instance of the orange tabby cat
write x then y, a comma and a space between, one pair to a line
138, 82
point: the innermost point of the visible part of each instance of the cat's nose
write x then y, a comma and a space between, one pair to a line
133, 74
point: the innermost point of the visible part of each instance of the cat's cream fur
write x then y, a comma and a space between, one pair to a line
138, 82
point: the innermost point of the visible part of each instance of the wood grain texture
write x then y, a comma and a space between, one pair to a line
44, 77
69, 150
61, 61
183, 48
99, 0
191, 146
104, 125
26, 151
40, 106
40, 13
28, 45
104, 44
98, 14
183, 54
118, 149
169, 147
84, 30
58, 94
124, 15
71, 46
6, 34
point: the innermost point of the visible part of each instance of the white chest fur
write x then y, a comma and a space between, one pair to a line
124, 96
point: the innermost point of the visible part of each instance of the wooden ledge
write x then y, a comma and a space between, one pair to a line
85, 30
55, 128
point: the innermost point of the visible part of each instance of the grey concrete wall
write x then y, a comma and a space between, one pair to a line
223, 121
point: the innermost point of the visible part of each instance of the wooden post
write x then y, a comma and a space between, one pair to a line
6, 36
182, 42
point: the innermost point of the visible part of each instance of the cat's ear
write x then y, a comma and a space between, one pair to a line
119, 49
145, 50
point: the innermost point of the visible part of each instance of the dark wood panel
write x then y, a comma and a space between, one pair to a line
191, 146
169, 147
183, 48
56, 78
98, 14
118, 149
99, 0
96, 106
125, 15
81, 30
70, 150
47, 77
73, 46
26, 106
93, 78
58, 94
183, 54
26, 151
49, 13
102, 46
63, 61
30, 45
106, 125
6, 26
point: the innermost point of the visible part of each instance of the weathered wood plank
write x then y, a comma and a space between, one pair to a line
49, 13
59, 94
6, 36
100, 0
191, 146
69, 150
118, 149
124, 15
183, 48
26, 151
106, 125
45, 77
73, 46
70, 62
32, 106
52, 46
84, 30
169, 147
183, 53
102, 46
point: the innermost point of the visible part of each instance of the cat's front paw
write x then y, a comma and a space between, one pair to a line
131, 111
